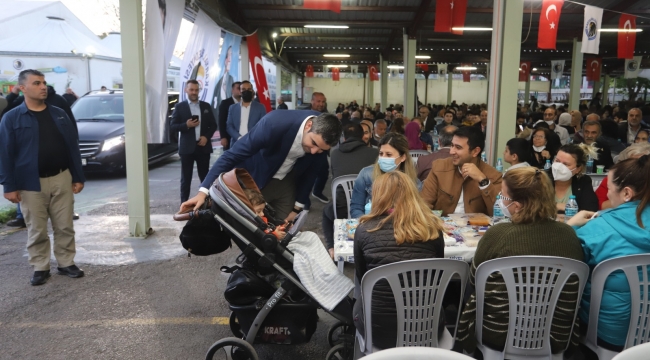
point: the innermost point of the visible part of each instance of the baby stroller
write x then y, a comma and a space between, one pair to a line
268, 302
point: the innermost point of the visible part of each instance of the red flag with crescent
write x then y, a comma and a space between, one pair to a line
310, 71
524, 71
255, 58
450, 14
593, 68
374, 74
331, 5
424, 67
549, 18
466, 73
335, 74
626, 38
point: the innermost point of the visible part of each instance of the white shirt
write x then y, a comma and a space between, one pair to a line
243, 119
195, 109
295, 153
460, 207
563, 134
631, 134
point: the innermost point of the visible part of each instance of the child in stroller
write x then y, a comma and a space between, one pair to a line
259, 204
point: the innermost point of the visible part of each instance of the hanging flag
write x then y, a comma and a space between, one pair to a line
331, 5
593, 68
632, 67
557, 68
466, 73
549, 19
442, 71
335, 74
591, 29
310, 71
255, 58
524, 71
627, 38
374, 74
424, 67
450, 14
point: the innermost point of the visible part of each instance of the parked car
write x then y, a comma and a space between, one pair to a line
100, 120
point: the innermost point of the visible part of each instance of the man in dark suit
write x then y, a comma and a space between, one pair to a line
194, 120
429, 121
281, 154
483, 123
242, 117
281, 105
628, 130
223, 114
425, 162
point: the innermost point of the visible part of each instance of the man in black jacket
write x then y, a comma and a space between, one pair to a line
348, 159
223, 114
627, 130
53, 99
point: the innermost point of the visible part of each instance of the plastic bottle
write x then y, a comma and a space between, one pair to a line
435, 146
368, 207
590, 165
497, 214
571, 208
435, 131
499, 166
483, 157
547, 165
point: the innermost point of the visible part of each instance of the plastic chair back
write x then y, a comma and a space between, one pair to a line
417, 353
347, 182
636, 270
534, 284
639, 352
418, 287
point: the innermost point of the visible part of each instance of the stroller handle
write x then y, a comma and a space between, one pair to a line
186, 216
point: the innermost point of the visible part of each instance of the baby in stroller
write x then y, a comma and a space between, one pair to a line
259, 204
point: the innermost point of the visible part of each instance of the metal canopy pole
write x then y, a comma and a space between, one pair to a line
576, 75
383, 66
409, 75
135, 116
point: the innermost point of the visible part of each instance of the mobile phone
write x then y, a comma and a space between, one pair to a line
195, 118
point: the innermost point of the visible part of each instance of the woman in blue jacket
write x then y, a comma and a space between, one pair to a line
393, 154
620, 231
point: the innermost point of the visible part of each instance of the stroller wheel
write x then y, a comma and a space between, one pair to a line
340, 352
231, 349
235, 327
336, 333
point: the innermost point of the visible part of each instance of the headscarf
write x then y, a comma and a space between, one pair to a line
565, 119
412, 133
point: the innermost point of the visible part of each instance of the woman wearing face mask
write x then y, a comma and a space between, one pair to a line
616, 232
527, 199
543, 147
393, 155
568, 176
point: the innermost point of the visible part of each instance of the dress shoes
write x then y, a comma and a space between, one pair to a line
19, 223
40, 277
71, 271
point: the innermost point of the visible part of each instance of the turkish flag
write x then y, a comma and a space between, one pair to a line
310, 71
593, 68
331, 5
549, 18
335, 74
374, 74
466, 73
626, 39
255, 58
424, 67
524, 72
450, 14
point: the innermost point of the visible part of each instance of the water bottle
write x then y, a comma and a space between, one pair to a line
571, 208
368, 207
435, 146
547, 165
497, 214
483, 157
435, 131
499, 165
590, 165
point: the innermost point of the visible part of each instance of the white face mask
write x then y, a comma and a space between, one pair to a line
539, 148
504, 208
550, 122
561, 172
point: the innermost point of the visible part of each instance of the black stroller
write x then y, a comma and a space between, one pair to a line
267, 300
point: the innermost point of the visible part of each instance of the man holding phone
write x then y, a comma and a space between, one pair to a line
195, 122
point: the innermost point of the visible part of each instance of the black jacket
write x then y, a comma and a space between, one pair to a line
373, 249
582, 188
223, 118
52, 99
282, 106
187, 141
622, 131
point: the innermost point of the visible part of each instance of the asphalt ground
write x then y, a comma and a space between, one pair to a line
168, 309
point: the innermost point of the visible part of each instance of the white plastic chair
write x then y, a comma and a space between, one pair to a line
418, 287
417, 353
532, 302
415, 154
636, 270
639, 352
347, 182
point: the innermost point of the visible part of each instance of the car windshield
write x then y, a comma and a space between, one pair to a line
99, 108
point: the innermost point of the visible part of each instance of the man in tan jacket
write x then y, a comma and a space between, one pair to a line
463, 183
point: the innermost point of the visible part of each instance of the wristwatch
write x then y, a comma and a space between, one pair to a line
484, 182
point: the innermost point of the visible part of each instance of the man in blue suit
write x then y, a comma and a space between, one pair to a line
242, 117
281, 153
194, 120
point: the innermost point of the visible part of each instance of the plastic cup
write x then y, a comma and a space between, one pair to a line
600, 169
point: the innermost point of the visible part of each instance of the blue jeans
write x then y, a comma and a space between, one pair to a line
19, 214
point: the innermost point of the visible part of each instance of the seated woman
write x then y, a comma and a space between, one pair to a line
642, 136
368, 130
393, 155
616, 232
399, 227
398, 126
412, 133
568, 177
517, 153
543, 147
634, 151
526, 198
424, 137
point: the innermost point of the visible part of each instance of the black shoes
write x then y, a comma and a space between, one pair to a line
75, 216
72, 271
40, 277
19, 223
322, 198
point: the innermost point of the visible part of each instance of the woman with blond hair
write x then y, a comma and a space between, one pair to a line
527, 198
399, 227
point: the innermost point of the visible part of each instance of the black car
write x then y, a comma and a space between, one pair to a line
100, 119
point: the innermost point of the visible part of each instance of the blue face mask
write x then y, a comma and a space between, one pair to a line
387, 164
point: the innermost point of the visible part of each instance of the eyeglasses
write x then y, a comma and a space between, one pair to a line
504, 197
542, 137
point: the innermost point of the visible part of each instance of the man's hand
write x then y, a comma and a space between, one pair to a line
193, 203
331, 251
472, 171
77, 187
202, 141
224, 142
192, 123
292, 215
13, 196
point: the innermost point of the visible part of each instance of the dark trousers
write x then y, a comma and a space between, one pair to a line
321, 177
187, 168
281, 195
